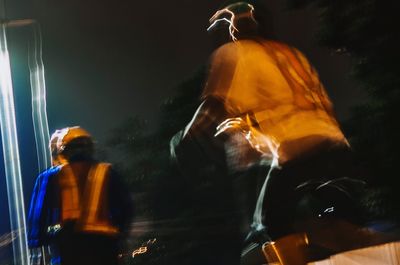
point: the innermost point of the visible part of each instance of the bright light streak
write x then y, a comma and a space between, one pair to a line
11, 154
258, 212
249, 248
329, 210
7, 239
266, 146
214, 20
38, 90
139, 251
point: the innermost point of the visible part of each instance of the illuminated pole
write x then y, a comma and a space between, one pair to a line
9, 132
39, 112
11, 153
38, 90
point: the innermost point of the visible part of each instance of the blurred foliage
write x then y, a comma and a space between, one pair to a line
367, 31
141, 153
142, 156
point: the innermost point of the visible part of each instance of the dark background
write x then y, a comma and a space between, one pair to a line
108, 60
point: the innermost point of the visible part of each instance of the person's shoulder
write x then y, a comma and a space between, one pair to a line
233, 50
48, 174
103, 163
287, 49
50, 171
279, 45
106, 166
238, 45
227, 49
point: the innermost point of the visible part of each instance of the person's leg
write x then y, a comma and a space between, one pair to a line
280, 194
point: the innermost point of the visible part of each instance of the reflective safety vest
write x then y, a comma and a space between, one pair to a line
281, 91
87, 205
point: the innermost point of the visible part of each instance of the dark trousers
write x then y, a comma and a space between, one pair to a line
281, 196
86, 249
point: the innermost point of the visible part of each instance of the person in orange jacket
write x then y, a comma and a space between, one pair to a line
264, 103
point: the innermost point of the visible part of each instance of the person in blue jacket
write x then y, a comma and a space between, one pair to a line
78, 209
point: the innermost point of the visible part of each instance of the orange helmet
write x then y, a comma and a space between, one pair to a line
62, 138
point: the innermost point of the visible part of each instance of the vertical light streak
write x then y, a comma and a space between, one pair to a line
11, 154
258, 212
38, 90
38, 95
266, 146
39, 113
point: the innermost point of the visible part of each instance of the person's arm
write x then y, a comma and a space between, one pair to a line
212, 111
37, 212
197, 139
198, 136
37, 217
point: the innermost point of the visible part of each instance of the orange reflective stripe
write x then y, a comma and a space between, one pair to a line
295, 74
89, 210
96, 180
70, 199
95, 194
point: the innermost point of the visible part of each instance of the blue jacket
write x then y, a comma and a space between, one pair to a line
39, 218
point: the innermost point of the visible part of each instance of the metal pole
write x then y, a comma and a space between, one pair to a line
11, 152
39, 112
9, 138
38, 89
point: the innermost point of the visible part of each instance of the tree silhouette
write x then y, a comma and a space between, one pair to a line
366, 30
162, 194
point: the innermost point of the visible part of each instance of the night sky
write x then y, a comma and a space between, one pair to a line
108, 60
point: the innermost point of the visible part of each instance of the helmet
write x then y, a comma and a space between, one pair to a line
233, 14
69, 142
53, 145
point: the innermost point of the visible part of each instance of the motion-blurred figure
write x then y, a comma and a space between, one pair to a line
270, 91
78, 207
264, 105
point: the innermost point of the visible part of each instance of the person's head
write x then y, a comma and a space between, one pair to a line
242, 19
71, 144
